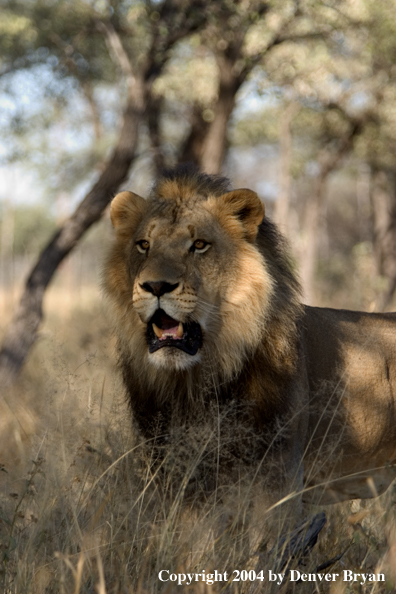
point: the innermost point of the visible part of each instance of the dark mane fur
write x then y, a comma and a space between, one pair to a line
277, 354
275, 249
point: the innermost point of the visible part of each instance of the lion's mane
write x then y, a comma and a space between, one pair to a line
251, 354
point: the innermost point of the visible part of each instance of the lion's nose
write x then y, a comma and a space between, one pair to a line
159, 288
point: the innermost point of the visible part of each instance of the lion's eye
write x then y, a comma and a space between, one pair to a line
200, 246
142, 246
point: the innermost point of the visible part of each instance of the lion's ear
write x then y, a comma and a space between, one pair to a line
126, 210
247, 207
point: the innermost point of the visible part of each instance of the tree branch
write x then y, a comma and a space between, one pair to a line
194, 17
116, 49
23, 329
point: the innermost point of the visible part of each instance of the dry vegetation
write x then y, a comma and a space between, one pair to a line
82, 512
80, 509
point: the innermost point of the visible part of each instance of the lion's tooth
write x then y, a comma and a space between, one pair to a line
180, 330
157, 331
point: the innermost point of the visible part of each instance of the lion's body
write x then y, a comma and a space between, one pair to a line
304, 383
350, 359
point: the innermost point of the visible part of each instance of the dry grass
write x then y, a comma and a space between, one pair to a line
80, 509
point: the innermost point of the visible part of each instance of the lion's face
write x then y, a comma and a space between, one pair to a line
190, 282
172, 262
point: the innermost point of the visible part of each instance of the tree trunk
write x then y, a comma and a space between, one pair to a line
282, 205
213, 148
23, 329
328, 160
153, 122
193, 147
7, 247
383, 204
312, 226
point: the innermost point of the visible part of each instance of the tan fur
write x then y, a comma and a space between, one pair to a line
315, 385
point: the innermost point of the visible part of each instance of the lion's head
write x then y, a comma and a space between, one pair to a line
189, 285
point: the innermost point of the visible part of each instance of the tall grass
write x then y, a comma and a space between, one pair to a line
83, 510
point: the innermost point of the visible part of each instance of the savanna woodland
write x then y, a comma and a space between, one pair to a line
294, 99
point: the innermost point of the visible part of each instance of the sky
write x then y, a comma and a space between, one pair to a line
18, 185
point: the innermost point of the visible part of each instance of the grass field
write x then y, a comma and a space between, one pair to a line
80, 509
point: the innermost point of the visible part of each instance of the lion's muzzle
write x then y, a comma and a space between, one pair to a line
164, 331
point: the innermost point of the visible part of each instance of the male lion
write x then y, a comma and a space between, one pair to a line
210, 326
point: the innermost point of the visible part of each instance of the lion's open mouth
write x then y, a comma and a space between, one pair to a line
164, 331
